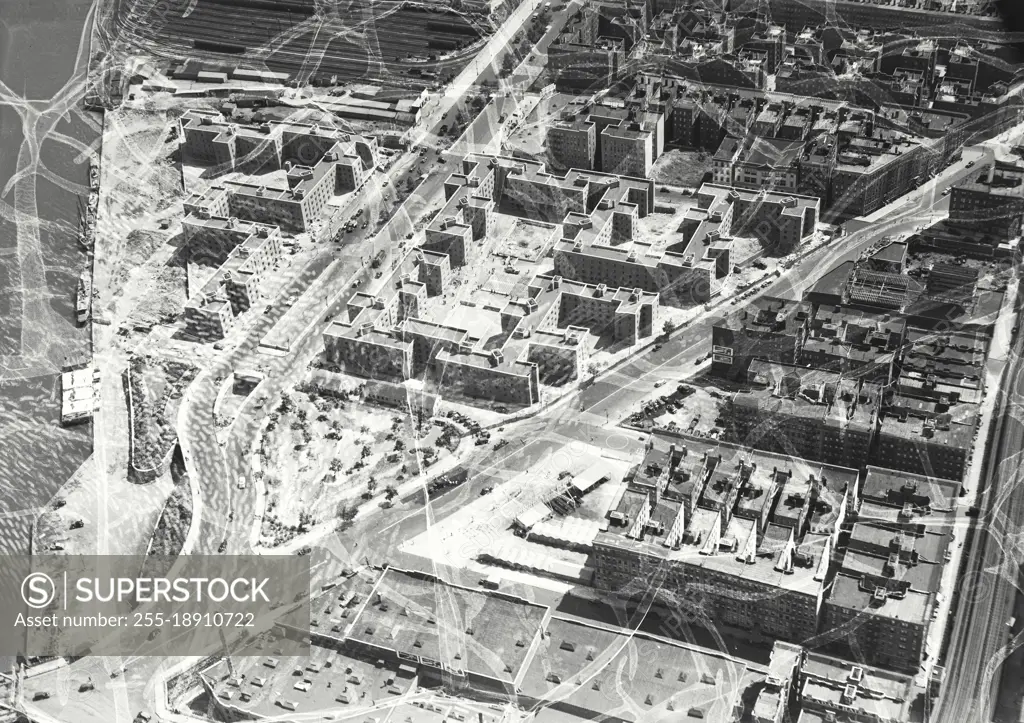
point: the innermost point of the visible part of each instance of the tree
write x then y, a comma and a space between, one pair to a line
390, 492
305, 521
508, 63
668, 327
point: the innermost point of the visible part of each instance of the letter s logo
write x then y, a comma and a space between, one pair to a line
38, 590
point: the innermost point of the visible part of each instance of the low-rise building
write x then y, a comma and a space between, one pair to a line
992, 201
809, 413
856, 343
769, 329
832, 689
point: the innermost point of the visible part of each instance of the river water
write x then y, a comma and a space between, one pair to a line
43, 131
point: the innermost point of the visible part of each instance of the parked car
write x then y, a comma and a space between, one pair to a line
487, 490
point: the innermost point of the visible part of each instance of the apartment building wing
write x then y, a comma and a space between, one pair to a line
246, 254
212, 138
628, 148
367, 340
572, 143
781, 221
497, 375
889, 576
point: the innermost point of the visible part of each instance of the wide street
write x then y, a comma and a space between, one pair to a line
980, 639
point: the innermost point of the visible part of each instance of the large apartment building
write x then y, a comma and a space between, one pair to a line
727, 535
611, 139
885, 593
319, 163
245, 254
500, 354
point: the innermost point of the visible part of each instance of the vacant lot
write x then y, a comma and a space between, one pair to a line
682, 168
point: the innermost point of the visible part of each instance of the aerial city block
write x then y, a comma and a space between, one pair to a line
585, 360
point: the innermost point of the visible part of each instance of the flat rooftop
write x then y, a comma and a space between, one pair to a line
811, 393
882, 693
478, 631
582, 668
727, 482
770, 314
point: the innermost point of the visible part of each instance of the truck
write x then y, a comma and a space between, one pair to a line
491, 582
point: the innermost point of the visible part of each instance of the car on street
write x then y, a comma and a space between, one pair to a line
970, 163
487, 490
241, 484
658, 383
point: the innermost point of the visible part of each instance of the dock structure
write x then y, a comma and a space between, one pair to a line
79, 395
